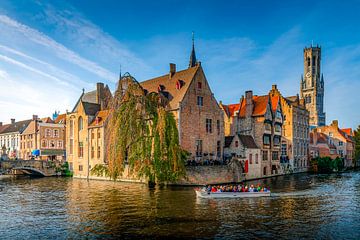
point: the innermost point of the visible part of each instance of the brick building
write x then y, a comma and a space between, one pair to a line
85, 131
260, 117
295, 132
43, 139
244, 149
197, 113
343, 142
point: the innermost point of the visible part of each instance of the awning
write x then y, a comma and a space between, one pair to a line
35, 152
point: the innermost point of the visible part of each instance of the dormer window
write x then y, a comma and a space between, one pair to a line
179, 84
161, 88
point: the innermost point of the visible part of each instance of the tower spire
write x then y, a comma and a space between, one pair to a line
192, 61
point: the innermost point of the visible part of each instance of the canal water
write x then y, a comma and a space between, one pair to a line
303, 206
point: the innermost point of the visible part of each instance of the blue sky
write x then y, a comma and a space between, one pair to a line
50, 50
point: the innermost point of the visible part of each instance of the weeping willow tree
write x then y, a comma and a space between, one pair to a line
140, 133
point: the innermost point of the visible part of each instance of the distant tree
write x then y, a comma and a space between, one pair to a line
357, 144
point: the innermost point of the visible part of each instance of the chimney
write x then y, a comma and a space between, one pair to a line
172, 69
35, 117
99, 92
274, 87
335, 123
249, 103
12, 120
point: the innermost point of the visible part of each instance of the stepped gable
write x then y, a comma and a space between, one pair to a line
172, 87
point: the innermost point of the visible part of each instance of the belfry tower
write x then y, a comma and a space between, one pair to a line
312, 86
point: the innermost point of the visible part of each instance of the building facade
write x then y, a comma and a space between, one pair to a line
85, 134
341, 140
197, 113
295, 132
10, 137
43, 139
244, 149
261, 118
312, 86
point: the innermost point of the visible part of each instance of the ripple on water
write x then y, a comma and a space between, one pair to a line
302, 206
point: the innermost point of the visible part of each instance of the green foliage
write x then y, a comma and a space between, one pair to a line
357, 144
328, 165
65, 171
100, 170
142, 134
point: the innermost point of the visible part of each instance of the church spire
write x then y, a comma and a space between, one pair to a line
192, 61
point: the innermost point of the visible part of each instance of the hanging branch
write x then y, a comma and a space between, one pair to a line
141, 133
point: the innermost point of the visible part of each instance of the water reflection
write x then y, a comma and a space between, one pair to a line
303, 206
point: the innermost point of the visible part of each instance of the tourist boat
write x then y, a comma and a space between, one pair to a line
204, 194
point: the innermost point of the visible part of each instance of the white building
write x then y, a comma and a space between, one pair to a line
10, 137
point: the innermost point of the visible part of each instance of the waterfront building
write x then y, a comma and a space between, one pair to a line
43, 139
197, 113
10, 137
322, 145
295, 133
244, 149
312, 86
85, 131
260, 117
343, 142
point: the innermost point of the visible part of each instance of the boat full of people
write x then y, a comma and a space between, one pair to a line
233, 191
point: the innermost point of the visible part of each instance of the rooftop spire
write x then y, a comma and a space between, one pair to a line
192, 61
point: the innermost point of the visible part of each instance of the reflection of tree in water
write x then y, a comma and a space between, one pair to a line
105, 209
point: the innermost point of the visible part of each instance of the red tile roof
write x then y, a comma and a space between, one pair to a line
348, 131
175, 86
274, 102
260, 105
61, 118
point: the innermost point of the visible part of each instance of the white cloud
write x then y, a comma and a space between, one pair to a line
60, 50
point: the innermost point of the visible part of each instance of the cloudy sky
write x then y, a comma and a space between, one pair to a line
51, 50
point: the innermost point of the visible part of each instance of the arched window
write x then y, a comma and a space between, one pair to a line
80, 124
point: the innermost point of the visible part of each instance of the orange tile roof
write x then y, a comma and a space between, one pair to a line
61, 118
348, 131
260, 104
170, 85
100, 118
231, 108
274, 102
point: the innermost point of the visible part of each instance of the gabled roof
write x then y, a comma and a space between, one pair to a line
169, 85
61, 118
3, 127
89, 97
100, 118
292, 98
348, 131
91, 108
16, 127
260, 106
274, 102
231, 109
247, 141
345, 135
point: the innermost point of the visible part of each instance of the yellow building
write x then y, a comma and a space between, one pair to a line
85, 131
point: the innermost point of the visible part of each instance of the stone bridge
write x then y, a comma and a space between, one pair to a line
30, 167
